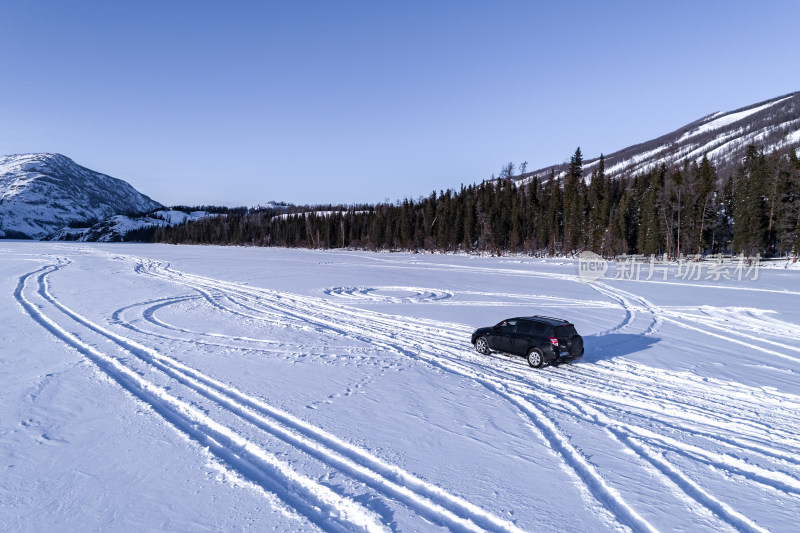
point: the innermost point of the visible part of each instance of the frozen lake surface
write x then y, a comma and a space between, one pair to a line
153, 387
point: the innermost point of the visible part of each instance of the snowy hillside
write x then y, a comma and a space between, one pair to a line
40, 193
115, 228
179, 388
723, 137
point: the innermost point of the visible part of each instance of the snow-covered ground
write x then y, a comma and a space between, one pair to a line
153, 387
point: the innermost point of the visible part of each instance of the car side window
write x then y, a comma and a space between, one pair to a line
524, 327
540, 328
507, 326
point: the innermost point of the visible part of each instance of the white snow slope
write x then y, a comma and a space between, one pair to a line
153, 387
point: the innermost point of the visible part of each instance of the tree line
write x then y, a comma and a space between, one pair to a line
679, 210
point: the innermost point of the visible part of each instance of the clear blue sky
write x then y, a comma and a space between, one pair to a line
238, 103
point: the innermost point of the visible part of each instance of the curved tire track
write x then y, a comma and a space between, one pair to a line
426, 499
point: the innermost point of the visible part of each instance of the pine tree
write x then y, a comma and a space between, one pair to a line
787, 210
707, 181
553, 221
649, 231
750, 224
572, 202
470, 221
596, 204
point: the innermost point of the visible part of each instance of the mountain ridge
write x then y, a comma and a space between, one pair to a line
43, 192
773, 124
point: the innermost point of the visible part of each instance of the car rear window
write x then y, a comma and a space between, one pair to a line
565, 332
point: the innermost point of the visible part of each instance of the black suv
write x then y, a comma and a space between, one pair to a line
541, 339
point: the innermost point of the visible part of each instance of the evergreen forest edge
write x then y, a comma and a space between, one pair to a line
685, 209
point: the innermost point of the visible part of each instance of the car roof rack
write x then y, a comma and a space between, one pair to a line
551, 318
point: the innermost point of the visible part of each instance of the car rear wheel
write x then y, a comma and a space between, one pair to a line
535, 358
482, 345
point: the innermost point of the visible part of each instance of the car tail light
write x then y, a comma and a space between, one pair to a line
554, 341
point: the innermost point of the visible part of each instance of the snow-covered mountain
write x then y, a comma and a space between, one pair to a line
41, 193
722, 137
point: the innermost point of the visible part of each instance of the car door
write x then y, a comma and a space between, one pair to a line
520, 338
500, 339
541, 334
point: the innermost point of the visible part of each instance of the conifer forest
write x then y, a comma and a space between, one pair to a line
687, 209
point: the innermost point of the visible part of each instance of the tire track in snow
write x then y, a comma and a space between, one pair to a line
779, 481
425, 498
148, 315
318, 503
265, 297
633, 438
367, 295
299, 307
720, 319
675, 317
573, 461
629, 436
696, 406
729, 337
757, 321
372, 294
457, 345
731, 443
704, 424
454, 341
579, 465
632, 303
622, 433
